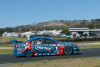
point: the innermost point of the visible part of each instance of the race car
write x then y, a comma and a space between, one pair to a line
44, 46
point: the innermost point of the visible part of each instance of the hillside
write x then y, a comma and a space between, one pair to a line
56, 24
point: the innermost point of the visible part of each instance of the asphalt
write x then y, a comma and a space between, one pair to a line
10, 59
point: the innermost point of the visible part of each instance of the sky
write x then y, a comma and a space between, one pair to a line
22, 12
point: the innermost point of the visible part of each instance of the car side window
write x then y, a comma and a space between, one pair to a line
49, 41
37, 41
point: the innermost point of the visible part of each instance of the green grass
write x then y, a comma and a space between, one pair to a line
6, 51
8, 39
4, 46
72, 62
19, 38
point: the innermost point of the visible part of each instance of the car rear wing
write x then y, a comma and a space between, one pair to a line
14, 42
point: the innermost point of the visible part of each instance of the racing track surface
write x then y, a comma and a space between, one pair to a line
9, 58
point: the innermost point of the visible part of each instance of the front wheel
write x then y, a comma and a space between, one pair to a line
28, 52
68, 50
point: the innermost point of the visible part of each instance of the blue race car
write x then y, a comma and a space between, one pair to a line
44, 46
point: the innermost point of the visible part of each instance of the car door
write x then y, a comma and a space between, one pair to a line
39, 46
44, 46
51, 45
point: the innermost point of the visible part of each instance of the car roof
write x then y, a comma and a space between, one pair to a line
39, 37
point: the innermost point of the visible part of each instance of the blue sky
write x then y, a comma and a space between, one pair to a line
22, 12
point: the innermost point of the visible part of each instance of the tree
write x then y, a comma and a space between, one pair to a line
1, 31
8, 29
65, 30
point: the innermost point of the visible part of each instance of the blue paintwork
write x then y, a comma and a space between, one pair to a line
14, 42
43, 49
18, 53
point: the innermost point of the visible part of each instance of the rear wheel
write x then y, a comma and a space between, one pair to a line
68, 50
28, 53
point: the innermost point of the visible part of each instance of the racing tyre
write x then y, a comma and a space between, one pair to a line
68, 50
28, 53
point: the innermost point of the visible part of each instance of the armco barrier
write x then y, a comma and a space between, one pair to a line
85, 45
80, 39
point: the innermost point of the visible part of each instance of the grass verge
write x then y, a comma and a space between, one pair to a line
8, 39
73, 62
6, 51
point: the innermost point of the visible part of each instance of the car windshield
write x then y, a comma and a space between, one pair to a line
55, 41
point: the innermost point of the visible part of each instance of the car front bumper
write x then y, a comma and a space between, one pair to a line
76, 50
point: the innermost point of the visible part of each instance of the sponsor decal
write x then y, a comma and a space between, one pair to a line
35, 54
48, 54
43, 48
44, 54
28, 45
49, 50
18, 52
40, 54
19, 48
